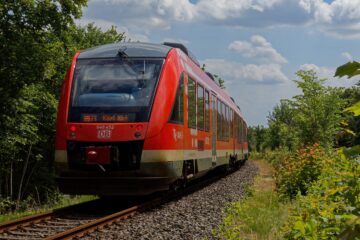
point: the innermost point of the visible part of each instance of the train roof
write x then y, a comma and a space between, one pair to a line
128, 49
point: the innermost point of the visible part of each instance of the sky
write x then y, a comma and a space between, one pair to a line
256, 46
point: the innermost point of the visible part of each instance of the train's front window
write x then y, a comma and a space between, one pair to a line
113, 90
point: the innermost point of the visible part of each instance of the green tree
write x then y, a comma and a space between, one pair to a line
257, 136
314, 116
282, 131
38, 40
317, 111
220, 81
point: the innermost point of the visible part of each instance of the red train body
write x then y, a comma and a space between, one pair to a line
136, 118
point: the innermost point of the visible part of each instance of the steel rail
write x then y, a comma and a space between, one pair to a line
26, 221
98, 224
102, 222
107, 220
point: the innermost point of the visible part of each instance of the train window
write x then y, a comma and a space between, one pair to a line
244, 132
113, 90
200, 107
231, 124
235, 125
219, 119
177, 115
223, 114
227, 124
240, 131
207, 111
191, 103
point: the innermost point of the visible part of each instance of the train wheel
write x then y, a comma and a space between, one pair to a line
177, 185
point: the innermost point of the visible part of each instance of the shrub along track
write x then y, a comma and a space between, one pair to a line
75, 221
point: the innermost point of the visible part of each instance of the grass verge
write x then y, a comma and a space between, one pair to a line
258, 216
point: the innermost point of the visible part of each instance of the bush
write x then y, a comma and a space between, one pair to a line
331, 209
295, 173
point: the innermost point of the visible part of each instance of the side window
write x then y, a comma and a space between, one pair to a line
231, 124
207, 110
235, 125
177, 115
191, 103
227, 123
240, 130
223, 114
200, 107
219, 120
244, 132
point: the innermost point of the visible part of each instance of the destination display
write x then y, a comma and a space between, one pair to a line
107, 117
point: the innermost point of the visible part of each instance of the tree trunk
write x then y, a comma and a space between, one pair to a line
28, 179
11, 179
23, 176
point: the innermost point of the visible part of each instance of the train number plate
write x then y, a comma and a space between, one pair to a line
104, 133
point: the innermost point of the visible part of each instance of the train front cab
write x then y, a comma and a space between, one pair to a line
183, 132
104, 119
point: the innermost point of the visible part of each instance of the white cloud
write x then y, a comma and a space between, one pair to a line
256, 88
234, 72
258, 49
183, 41
224, 9
340, 18
347, 56
323, 72
328, 73
106, 25
141, 15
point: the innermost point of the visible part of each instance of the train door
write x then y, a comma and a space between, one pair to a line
213, 128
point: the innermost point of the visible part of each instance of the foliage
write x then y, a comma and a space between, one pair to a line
257, 137
296, 173
259, 217
282, 129
318, 110
220, 81
275, 157
24, 141
350, 134
38, 40
217, 78
312, 117
331, 210
349, 69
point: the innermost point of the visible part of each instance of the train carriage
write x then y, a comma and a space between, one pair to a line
135, 118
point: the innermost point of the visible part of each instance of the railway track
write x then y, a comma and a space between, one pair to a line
67, 223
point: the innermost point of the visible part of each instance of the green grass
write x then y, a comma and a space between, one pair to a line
65, 200
259, 216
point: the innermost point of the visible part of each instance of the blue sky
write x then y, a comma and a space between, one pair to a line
255, 45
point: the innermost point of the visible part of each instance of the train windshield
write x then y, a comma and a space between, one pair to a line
113, 90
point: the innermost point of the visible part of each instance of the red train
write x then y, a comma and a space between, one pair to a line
135, 118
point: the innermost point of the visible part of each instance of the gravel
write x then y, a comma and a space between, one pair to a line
191, 217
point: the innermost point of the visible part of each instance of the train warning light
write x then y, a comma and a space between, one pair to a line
139, 127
